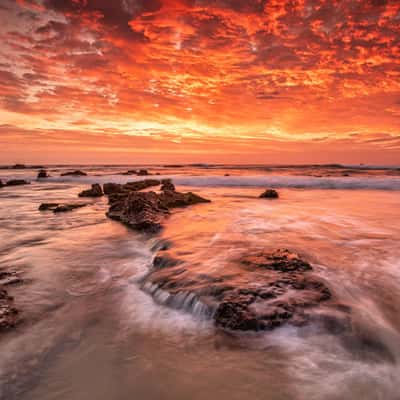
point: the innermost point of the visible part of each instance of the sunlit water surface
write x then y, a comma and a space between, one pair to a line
89, 332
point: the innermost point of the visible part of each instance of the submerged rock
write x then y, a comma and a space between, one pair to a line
74, 173
261, 291
57, 207
94, 191
269, 194
17, 182
43, 174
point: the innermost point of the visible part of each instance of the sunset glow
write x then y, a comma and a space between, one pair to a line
259, 81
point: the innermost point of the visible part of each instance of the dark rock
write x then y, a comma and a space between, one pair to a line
166, 184
68, 207
9, 278
57, 207
130, 172
142, 211
140, 185
172, 199
17, 182
48, 206
94, 191
42, 174
110, 188
19, 166
143, 172
1, 183
262, 291
269, 194
74, 173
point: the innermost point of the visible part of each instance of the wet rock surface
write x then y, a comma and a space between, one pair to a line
58, 207
43, 174
269, 194
145, 211
74, 173
16, 182
166, 184
260, 291
94, 191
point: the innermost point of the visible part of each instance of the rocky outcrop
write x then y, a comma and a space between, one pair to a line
166, 184
43, 174
259, 291
57, 207
269, 194
145, 211
17, 182
94, 191
74, 173
143, 172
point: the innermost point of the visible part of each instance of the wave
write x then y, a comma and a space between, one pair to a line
273, 181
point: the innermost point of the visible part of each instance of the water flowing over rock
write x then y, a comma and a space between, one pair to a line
94, 191
269, 194
259, 291
9, 315
74, 173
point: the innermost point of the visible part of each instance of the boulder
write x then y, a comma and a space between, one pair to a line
140, 185
110, 188
269, 194
42, 174
17, 182
19, 166
74, 173
172, 199
94, 191
257, 291
141, 211
143, 172
166, 184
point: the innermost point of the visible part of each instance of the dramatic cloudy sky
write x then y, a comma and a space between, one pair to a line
200, 80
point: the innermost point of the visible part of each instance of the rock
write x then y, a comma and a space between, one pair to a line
140, 185
143, 172
172, 199
9, 278
9, 315
110, 188
130, 172
48, 206
19, 166
17, 182
74, 173
262, 291
166, 184
95, 191
68, 207
42, 174
141, 211
57, 207
269, 194
1, 184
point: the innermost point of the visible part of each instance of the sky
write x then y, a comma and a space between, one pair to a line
221, 81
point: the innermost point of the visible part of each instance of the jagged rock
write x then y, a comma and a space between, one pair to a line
17, 182
57, 207
74, 173
166, 184
43, 174
140, 185
94, 191
143, 172
172, 199
110, 188
269, 194
261, 291
142, 211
